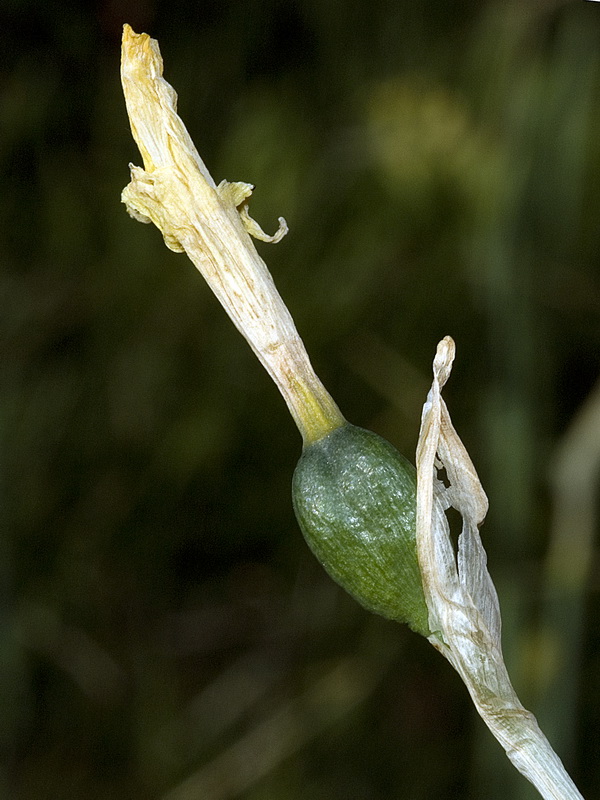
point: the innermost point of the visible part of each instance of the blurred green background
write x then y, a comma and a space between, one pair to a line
164, 630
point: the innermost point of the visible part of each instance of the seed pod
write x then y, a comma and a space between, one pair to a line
355, 500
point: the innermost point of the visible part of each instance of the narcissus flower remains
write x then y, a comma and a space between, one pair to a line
376, 524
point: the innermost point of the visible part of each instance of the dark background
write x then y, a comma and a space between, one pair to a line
164, 630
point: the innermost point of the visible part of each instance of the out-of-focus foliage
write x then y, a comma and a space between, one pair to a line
163, 627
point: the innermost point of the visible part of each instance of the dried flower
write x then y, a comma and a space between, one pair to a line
377, 548
212, 225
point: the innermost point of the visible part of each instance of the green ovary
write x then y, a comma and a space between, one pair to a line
355, 500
